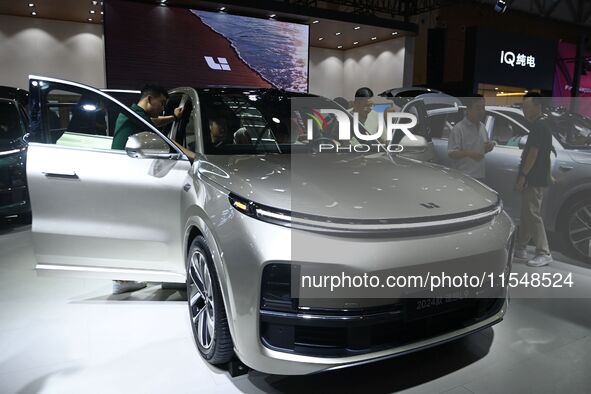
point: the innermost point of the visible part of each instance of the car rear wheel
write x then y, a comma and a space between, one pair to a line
576, 229
206, 306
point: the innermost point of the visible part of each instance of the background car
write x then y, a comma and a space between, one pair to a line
567, 204
14, 198
256, 207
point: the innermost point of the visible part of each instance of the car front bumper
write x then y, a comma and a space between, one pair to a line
244, 246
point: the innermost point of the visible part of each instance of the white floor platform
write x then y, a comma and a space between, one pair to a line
61, 335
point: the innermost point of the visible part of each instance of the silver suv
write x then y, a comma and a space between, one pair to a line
237, 223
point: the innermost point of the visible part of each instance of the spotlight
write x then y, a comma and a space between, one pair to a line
339, 47
357, 27
320, 38
315, 21
374, 38
501, 6
31, 5
33, 13
355, 42
337, 33
222, 8
272, 16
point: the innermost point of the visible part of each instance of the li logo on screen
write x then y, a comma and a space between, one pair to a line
221, 64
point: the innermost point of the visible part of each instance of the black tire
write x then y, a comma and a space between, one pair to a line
576, 220
207, 305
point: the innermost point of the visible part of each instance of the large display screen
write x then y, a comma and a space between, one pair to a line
175, 46
514, 60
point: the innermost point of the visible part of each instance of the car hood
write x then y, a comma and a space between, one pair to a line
581, 156
348, 186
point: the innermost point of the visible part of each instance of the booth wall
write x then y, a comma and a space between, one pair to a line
326, 74
379, 66
68, 50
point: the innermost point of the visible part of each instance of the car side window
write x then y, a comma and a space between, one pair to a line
505, 132
436, 124
11, 126
442, 124
80, 118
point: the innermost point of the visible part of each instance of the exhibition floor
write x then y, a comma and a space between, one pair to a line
70, 335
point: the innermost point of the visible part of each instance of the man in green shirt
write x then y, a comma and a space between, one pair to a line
150, 106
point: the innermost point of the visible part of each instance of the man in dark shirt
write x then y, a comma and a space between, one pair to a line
150, 106
534, 176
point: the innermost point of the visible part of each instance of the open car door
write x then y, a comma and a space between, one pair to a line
99, 211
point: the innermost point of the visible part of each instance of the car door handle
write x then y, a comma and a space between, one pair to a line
565, 168
61, 175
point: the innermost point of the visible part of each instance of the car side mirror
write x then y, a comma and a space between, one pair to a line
148, 145
417, 146
522, 142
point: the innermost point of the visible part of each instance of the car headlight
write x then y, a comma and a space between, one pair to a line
257, 211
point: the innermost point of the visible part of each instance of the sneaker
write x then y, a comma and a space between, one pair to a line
520, 254
125, 286
540, 260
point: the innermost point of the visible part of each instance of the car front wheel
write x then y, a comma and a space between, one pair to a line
577, 229
206, 306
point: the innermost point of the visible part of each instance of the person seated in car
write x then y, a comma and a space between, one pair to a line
218, 131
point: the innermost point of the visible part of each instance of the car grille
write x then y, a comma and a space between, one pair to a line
339, 334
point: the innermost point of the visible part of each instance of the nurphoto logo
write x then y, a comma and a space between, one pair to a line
392, 123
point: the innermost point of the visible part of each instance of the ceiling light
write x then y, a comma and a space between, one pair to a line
394, 33
31, 5
272, 16
90, 19
94, 2
374, 38
92, 11
102, 13
339, 47
525, 91
357, 27
337, 33
356, 42
222, 8
496, 88
320, 38
33, 13
314, 21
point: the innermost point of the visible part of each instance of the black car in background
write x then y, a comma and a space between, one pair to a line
14, 196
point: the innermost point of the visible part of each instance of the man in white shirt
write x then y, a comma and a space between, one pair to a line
468, 141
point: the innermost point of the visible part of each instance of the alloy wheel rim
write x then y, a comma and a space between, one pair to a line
579, 230
201, 300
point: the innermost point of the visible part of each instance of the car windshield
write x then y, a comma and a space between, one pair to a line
11, 127
253, 122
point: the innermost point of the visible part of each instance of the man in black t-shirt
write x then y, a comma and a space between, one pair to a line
534, 176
